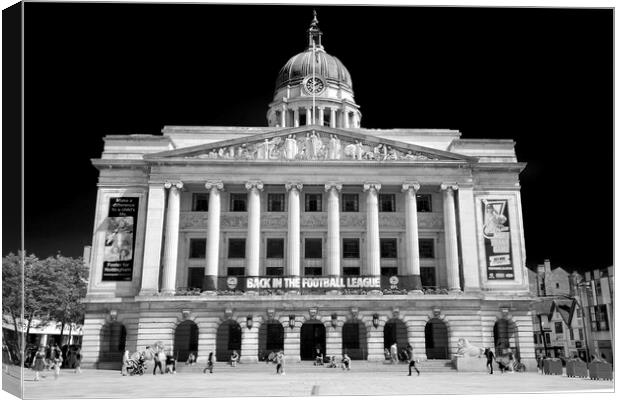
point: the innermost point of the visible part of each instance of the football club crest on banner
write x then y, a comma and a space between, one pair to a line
496, 233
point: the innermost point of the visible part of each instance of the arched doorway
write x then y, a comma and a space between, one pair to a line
270, 338
185, 340
505, 338
228, 338
354, 342
395, 330
312, 336
436, 338
112, 343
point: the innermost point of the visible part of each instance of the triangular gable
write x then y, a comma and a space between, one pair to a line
311, 143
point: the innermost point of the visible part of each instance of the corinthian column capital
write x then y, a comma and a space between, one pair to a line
407, 186
293, 186
249, 185
176, 184
333, 185
214, 184
372, 186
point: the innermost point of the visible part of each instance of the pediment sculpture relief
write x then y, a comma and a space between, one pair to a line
312, 146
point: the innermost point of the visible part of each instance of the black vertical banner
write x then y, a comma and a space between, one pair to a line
496, 232
120, 239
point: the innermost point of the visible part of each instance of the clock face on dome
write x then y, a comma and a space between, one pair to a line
313, 85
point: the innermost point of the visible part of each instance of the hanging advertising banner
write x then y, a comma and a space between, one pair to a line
119, 244
496, 233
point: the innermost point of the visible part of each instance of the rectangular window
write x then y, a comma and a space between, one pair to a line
274, 271
350, 202
313, 271
200, 202
313, 248
350, 248
426, 248
236, 271
558, 327
548, 337
195, 277
427, 276
387, 202
350, 271
236, 248
197, 248
388, 248
597, 287
535, 338
275, 202
571, 332
389, 271
275, 248
237, 202
580, 334
314, 202
424, 203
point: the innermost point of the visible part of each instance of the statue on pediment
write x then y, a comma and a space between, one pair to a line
290, 148
334, 148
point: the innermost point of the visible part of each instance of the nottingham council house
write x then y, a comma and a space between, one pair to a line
308, 233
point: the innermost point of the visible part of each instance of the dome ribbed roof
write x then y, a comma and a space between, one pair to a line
300, 66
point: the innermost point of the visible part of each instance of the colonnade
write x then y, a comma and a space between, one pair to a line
339, 117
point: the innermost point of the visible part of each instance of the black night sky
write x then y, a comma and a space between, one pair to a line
543, 77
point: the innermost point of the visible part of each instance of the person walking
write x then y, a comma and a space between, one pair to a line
394, 353
234, 358
57, 363
280, 363
346, 362
159, 358
77, 361
171, 363
411, 359
490, 358
39, 363
209, 364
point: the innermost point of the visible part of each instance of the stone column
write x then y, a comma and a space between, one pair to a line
293, 243
249, 343
412, 262
356, 120
291, 339
333, 228
308, 116
373, 254
171, 247
252, 245
296, 117
321, 115
332, 117
469, 243
153, 240
283, 116
345, 118
452, 256
213, 236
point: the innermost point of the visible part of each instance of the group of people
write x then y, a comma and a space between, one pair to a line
392, 354
345, 362
51, 358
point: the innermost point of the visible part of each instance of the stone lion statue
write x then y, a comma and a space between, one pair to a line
466, 349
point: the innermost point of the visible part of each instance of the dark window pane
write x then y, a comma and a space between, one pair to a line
314, 248
427, 248
350, 335
314, 202
275, 248
275, 202
389, 271
200, 202
558, 327
350, 248
236, 271
427, 276
274, 271
388, 248
423, 202
314, 271
350, 271
197, 248
195, 277
350, 202
237, 202
236, 248
387, 202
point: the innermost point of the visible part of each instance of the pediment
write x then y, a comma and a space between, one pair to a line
310, 143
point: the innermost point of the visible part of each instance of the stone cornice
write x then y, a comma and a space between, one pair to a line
100, 163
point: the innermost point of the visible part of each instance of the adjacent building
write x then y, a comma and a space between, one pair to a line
309, 233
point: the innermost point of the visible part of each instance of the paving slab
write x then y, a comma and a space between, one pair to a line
262, 381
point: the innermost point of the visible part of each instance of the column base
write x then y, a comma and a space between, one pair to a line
169, 292
148, 292
209, 283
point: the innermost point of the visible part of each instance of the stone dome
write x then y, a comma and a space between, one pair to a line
325, 65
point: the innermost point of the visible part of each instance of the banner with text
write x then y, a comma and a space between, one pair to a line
308, 284
496, 232
120, 239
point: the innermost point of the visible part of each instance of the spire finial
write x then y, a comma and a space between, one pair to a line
314, 33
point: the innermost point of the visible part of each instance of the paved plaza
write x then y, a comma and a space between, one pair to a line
261, 380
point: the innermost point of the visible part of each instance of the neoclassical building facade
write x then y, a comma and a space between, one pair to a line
310, 233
